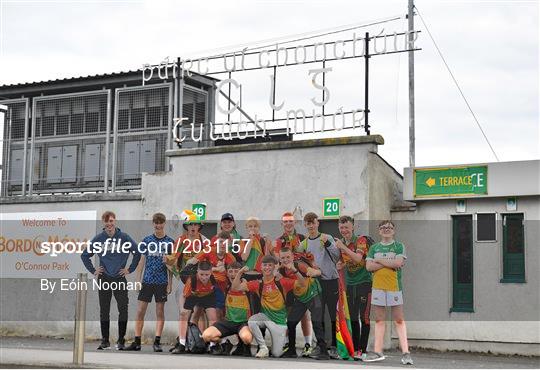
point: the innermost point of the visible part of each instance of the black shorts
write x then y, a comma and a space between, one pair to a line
227, 328
158, 291
207, 301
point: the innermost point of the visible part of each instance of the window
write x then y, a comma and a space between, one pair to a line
513, 249
486, 227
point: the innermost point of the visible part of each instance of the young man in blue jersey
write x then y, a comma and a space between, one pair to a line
112, 269
156, 281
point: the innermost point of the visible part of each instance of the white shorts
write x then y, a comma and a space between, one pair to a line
386, 298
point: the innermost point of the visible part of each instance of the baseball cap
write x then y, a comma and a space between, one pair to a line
227, 216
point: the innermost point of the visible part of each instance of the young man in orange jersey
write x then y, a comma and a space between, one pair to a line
273, 315
304, 297
237, 313
219, 257
198, 291
257, 247
292, 239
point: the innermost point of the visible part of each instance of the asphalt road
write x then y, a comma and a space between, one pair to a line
16, 352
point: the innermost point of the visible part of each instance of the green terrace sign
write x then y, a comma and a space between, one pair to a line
450, 181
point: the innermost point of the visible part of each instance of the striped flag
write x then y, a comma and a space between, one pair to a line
345, 348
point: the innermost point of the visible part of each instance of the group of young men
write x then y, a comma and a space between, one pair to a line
262, 287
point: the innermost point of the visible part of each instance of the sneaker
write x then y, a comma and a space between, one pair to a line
262, 352
239, 350
226, 348
332, 352
374, 357
105, 344
121, 344
289, 353
247, 350
363, 357
307, 350
157, 347
133, 347
172, 348
285, 347
358, 355
406, 359
216, 350
178, 349
319, 353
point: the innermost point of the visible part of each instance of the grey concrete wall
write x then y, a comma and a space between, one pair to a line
264, 180
385, 190
503, 312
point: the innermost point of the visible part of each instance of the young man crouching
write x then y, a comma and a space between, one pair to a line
237, 313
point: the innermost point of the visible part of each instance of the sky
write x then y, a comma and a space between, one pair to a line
491, 47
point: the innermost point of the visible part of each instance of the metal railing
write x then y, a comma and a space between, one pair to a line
90, 142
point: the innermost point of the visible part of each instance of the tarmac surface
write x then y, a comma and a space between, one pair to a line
18, 352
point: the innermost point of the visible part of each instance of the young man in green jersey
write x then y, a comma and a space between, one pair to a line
354, 250
385, 260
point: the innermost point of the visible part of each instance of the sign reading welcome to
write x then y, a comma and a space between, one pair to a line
450, 181
22, 234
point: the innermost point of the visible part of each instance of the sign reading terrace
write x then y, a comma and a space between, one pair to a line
450, 181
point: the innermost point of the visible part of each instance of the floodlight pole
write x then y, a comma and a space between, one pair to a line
410, 16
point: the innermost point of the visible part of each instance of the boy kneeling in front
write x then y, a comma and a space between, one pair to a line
273, 315
237, 313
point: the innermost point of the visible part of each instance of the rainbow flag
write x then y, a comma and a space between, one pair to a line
345, 348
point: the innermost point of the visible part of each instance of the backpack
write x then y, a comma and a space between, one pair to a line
189, 271
194, 341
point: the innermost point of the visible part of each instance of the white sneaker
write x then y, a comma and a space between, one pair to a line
262, 353
374, 357
406, 359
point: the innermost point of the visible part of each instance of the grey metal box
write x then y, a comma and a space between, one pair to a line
54, 164
16, 167
69, 163
92, 159
131, 160
148, 156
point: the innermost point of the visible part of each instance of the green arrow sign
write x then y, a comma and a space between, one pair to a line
450, 181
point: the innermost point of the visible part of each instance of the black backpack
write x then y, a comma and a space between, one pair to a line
194, 341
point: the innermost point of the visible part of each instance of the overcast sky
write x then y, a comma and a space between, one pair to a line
491, 46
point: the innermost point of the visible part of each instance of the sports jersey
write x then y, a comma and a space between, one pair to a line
356, 273
304, 293
201, 290
155, 271
220, 276
237, 239
237, 307
256, 253
291, 241
387, 278
186, 249
272, 300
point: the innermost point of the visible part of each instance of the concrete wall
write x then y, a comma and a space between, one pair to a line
503, 312
265, 180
